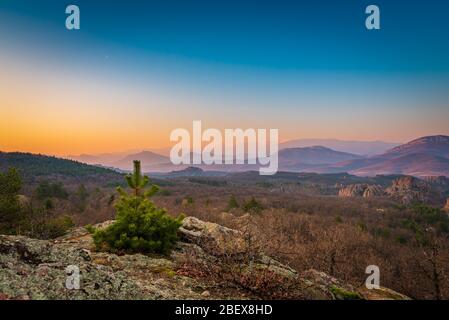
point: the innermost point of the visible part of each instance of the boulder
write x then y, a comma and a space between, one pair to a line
321, 286
213, 238
381, 293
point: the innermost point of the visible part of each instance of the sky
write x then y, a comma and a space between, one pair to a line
136, 70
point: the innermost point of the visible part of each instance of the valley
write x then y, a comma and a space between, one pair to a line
337, 223
425, 156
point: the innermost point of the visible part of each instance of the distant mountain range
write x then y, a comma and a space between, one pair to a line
123, 160
105, 159
361, 148
364, 148
147, 158
298, 159
426, 156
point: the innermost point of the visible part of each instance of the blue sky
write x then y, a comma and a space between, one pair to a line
296, 65
287, 35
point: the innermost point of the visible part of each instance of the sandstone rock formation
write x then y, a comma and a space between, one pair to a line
410, 189
361, 190
36, 269
446, 207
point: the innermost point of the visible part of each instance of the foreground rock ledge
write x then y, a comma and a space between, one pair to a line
36, 269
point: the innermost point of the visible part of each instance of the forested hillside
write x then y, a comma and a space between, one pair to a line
33, 165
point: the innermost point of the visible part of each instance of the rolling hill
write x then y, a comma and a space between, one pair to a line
35, 165
147, 158
295, 159
105, 159
415, 164
431, 145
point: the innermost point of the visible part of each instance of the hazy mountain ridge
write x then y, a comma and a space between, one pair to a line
425, 156
308, 157
435, 145
147, 158
366, 148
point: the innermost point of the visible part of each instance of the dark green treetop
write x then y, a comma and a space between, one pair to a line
138, 182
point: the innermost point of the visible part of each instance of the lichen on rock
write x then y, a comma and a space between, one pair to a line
36, 269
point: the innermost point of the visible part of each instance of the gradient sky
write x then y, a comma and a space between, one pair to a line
138, 69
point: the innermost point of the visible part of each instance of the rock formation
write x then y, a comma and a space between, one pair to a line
446, 207
36, 269
361, 190
409, 189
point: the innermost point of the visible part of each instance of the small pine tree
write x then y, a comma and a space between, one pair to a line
48, 204
232, 203
81, 198
140, 226
138, 182
10, 185
82, 193
253, 206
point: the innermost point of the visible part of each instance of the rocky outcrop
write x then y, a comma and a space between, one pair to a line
437, 180
446, 206
406, 190
410, 189
37, 269
381, 293
213, 237
361, 190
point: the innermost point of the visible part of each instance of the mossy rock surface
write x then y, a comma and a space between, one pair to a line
342, 294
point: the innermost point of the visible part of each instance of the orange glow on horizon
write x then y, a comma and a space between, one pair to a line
69, 113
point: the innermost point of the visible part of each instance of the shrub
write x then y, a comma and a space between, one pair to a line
48, 204
232, 203
165, 193
51, 190
252, 206
90, 228
111, 199
187, 201
140, 226
54, 228
428, 216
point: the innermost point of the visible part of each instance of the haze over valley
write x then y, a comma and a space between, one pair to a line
425, 156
